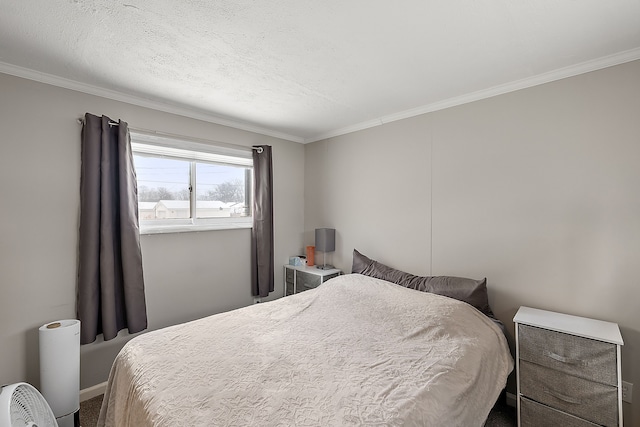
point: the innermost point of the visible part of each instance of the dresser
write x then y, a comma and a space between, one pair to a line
302, 278
568, 370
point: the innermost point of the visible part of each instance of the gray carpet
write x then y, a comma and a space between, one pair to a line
501, 415
89, 411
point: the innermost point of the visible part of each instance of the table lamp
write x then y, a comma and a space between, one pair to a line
325, 242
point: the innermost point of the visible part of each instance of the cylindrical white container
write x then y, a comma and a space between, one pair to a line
60, 369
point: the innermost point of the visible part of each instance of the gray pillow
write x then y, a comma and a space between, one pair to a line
471, 291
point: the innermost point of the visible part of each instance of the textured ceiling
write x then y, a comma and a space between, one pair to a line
307, 69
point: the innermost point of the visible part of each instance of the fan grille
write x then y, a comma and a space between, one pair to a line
28, 408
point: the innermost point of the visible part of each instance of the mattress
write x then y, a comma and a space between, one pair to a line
355, 351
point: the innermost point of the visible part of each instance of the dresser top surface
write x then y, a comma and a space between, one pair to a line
574, 325
313, 269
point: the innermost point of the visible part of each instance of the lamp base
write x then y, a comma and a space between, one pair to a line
325, 267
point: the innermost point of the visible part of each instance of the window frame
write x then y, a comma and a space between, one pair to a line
195, 152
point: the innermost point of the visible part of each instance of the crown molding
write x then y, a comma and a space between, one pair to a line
62, 82
559, 74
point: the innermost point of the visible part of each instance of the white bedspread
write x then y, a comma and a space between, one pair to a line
356, 351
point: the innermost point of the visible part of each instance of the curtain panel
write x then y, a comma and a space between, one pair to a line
110, 292
262, 277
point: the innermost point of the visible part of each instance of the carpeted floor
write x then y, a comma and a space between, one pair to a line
89, 411
502, 415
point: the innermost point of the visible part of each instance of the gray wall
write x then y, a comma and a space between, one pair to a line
188, 275
538, 190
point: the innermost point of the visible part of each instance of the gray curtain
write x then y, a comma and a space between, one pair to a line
262, 231
110, 284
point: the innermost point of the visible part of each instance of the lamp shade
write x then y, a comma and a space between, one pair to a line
325, 239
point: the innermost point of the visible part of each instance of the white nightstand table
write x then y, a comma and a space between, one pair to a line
568, 370
302, 278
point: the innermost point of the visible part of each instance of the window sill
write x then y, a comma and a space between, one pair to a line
189, 228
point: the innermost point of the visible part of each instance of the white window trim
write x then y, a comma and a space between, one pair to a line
171, 146
187, 225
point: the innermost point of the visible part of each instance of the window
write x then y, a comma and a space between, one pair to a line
190, 186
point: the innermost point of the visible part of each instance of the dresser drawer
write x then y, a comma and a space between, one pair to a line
305, 281
533, 414
289, 275
583, 357
590, 400
289, 288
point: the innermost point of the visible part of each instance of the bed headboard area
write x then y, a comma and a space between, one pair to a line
471, 291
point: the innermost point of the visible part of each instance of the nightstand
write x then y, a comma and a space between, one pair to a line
568, 370
302, 278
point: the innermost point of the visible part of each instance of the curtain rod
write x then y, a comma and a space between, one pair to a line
112, 123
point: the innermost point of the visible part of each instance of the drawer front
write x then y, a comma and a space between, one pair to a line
289, 275
582, 357
307, 281
590, 400
533, 414
289, 288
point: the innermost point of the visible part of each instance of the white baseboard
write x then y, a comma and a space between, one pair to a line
91, 392
512, 400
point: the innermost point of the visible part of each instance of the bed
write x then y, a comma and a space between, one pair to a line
356, 351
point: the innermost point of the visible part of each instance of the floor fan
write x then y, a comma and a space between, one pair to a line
22, 405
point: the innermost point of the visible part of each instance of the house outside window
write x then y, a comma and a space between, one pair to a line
187, 185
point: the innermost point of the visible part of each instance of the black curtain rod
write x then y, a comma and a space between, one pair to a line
81, 121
